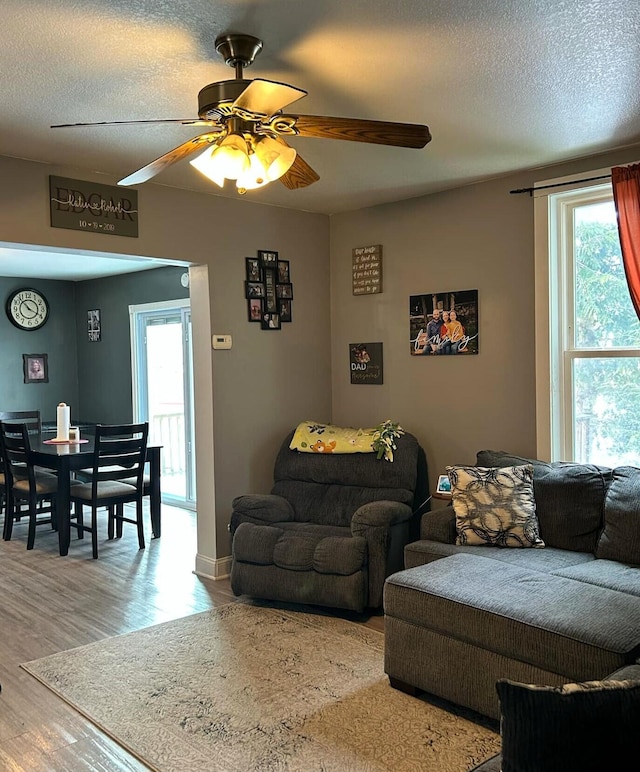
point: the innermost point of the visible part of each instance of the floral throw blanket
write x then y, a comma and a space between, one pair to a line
315, 437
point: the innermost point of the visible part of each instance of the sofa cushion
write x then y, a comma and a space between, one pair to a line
620, 539
494, 506
575, 727
569, 498
605, 573
549, 560
552, 623
301, 547
255, 543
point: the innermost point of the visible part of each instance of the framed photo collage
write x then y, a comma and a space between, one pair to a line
268, 290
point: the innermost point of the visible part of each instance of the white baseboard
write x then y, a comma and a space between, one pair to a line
210, 568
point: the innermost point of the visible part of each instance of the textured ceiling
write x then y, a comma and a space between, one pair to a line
502, 84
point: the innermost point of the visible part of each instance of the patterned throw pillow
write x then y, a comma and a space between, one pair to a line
587, 727
495, 506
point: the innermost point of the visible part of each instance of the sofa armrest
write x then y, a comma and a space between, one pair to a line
260, 508
439, 525
374, 521
379, 513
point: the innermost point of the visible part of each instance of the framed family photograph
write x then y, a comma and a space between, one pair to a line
268, 259
254, 272
284, 306
254, 289
444, 484
444, 323
284, 275
35, 368
270, 321
284, 291
255, 309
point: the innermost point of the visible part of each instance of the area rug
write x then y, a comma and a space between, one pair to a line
247, 687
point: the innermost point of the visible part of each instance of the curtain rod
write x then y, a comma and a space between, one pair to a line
531, 191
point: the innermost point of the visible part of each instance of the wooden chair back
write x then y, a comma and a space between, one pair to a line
29, 417
16, 452
120, 453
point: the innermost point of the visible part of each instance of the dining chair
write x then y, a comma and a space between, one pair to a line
31, 418
34, 424
119, 454
24, 483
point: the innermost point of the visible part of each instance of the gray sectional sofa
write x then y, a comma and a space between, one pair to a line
459, 618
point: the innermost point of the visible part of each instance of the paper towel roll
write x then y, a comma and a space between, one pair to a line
63, 416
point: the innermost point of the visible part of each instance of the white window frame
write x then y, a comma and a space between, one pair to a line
554, 298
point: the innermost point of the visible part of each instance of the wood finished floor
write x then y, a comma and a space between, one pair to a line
50, 604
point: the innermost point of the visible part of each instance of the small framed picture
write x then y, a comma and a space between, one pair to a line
255, 309
270, 321
94, 330
254, 289
267, 259
35, 368
254, 273
444, 485
284, 307
283, 271
284, 291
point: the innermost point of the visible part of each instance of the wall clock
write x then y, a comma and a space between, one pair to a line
27, 308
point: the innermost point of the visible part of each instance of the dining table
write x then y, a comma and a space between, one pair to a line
67, 457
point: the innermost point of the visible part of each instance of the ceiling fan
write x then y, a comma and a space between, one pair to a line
245, 141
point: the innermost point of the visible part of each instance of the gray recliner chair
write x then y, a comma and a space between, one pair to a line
333, 527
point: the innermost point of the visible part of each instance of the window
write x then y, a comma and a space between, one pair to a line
589, 353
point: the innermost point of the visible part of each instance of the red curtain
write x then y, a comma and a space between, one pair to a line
626, 195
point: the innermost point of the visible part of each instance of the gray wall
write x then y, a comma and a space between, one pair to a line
104, 367
268, 381
476, 237
57, 339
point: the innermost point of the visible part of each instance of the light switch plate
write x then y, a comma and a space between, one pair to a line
221, 341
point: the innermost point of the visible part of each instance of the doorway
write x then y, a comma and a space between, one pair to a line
162, 370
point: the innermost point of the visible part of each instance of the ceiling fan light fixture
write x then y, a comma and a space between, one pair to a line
204, 164
276, 157
255, 177
228, 160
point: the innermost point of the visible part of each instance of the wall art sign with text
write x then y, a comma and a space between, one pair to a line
365, 363
444, 323
79, 205
367, 270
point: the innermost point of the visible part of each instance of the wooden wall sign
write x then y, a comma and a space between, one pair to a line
367, 270
88, 206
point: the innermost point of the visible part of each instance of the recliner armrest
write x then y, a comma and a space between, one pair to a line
439, 525
379, 513
264, 507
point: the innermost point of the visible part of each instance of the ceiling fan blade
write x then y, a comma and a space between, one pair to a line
177, 154
357, 130
186, 121
300, 175
262, 98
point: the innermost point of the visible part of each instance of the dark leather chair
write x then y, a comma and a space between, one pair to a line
332, 529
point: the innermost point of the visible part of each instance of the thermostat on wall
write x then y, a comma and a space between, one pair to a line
221, 341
